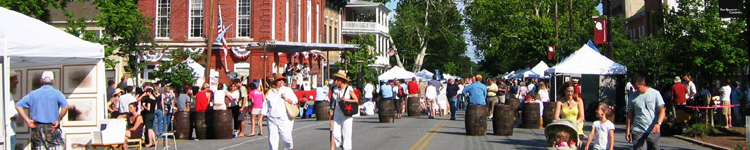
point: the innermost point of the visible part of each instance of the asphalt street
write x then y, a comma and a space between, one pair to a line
410, 133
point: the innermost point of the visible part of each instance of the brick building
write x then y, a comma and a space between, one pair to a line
187, 24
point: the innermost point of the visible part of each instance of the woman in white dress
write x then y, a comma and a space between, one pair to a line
279, 123
341, 125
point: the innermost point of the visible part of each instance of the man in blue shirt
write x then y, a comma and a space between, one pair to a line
386, 91
44, 119
435, 82
645, 115
477, 92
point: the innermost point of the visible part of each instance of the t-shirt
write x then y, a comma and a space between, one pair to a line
601, 138
502, 89
110, 92
182, 102
644, 107
477, 93
321, 93
437, 85
395, 92
691, 90
368, 90
124, 101
413, 87
386, 91
219, 97
340, 94
490, 89
678, 93
725, 91
257, 98
451, 90
422, 88
430, 92
235, 98
737, 95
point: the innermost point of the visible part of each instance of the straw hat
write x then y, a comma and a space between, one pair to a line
118, 90
342, 74
278, 77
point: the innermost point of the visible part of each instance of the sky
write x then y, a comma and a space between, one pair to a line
470, 47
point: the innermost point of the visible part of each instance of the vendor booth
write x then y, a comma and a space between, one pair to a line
29, 47
601, 79
396, 73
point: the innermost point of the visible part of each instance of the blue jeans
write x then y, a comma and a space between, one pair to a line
461, 102
158, 121
13, 142
452, 102
166, 124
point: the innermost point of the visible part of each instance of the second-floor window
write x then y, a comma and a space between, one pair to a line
196, 18
163, 9
243, 18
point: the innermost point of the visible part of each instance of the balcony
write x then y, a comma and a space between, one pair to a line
354, 27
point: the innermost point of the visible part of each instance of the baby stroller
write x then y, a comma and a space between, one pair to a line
563, 125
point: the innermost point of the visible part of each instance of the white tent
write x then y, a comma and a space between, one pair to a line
397, 73
28, 45
537, 71
425, 74
198, 69
587, 61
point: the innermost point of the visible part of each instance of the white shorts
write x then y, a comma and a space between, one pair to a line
255, 111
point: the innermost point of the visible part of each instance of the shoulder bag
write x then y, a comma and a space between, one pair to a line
348, 108
291, 110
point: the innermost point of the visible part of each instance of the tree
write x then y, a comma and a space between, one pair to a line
357, 60
40, 9
428, 31
513, 34
176, 72
709, 47
127, 30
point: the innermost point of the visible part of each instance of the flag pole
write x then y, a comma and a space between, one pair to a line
210, 41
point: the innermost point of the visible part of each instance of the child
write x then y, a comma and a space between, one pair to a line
603, 131
562, 140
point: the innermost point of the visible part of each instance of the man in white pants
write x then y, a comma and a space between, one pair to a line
275, 109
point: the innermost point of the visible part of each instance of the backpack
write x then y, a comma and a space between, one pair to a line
401, 91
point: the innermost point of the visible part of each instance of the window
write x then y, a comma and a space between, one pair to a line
242, 69
335, 35
196, 18
163, 9
243, 18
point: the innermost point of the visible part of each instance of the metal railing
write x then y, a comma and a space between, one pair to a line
369, 26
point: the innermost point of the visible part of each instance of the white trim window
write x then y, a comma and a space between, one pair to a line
244, 8
196, 19
163, 11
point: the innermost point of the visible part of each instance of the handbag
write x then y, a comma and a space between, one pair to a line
291, 110
348, 108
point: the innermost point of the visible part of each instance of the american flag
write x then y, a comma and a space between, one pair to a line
222, 30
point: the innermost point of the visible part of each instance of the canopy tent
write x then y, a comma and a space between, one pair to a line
537, 71
522, 73
396, 73
587, 61
507, 75
32, 43
425, 74
448, 76
29, 44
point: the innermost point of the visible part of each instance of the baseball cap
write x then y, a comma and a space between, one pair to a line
48, 75
677, 79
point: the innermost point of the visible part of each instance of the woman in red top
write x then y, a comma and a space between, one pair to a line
201, 98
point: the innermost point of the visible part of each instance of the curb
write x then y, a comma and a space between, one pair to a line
701, 143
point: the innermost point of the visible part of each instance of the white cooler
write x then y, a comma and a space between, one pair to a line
111, 131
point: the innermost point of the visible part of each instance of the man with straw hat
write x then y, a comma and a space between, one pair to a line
341, 125
279, 123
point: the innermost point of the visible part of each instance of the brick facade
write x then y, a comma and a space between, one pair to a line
261, 29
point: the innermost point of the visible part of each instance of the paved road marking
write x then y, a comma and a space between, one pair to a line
426, 135
433, 135
235, 145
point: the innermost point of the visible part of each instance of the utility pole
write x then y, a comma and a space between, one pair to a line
609, 30
570, 9
210, 40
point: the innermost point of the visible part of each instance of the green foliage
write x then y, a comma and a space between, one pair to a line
127, 30
442, 36
513, 34
176, 72
699, 130
357, 60
741, 146
77, 27
708, 47
40, 9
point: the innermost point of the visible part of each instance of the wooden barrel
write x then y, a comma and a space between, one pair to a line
513, 102
413, 107
386, 111
530, 116
322, 111
200, 125
502, 123
549, 113
476, 120
182, 125
222, 124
